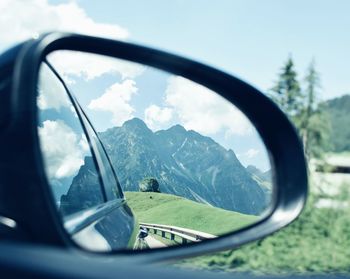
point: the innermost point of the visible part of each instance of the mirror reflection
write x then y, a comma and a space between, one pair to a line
190, 164
65, 147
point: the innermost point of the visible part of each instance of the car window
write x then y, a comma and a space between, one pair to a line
111, 185
69, 163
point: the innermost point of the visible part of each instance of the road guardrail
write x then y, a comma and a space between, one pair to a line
184, 233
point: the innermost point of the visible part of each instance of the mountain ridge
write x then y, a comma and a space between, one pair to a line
185, 163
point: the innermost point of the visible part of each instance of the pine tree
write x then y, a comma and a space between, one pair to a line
313, 122
312, 80
287, 92
302, 107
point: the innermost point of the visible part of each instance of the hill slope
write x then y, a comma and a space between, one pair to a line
173, 210
338, 110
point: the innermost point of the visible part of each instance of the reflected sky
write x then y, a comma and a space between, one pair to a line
113, 91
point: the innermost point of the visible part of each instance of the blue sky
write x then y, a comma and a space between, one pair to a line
248, 38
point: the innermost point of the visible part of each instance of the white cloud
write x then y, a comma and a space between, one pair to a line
116, 101
71, 64
21, 20
27, 19
204, 111
83, 143
156, 116
63, 150
251, 153
52, 94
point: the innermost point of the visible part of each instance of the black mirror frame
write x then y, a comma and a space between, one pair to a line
278, 134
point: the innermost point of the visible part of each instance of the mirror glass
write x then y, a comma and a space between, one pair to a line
187, 165
65, 147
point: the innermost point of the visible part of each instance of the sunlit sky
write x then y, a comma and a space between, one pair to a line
248, 38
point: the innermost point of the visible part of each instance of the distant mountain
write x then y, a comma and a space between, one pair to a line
264, 179
84, 191
338, 110
264, 176
185, 163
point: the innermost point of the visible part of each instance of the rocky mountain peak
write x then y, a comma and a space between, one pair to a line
185, 163
135, 123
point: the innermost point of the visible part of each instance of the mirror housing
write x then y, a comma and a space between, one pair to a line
278, 134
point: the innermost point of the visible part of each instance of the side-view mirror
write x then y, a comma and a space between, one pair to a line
124, 149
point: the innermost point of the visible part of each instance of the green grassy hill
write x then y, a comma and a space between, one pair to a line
168, 209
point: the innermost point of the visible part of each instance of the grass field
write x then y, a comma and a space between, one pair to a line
172, 210
317, 242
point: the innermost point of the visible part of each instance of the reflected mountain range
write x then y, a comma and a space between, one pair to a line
185, 163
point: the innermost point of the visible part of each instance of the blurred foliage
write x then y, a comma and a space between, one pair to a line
338, 112
302, 106
315, 133
287, 92
317, 242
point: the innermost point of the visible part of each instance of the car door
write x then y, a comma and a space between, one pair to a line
84, 186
